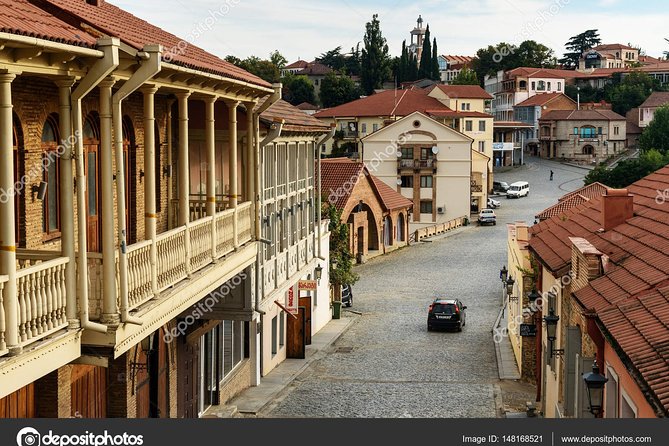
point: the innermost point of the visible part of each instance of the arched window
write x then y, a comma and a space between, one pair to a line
401, 229
51, 171
19, 193
388, 231
129, 157
588, 150
588, 131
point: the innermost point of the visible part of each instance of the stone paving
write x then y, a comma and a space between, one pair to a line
387, 364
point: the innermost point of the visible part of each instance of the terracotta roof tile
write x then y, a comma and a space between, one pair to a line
390, 198
21, 17
315, 69
464, 91
541, 99
561, 207
592, 190
295, 119
136, 32
386, 103
582, 115
656, 99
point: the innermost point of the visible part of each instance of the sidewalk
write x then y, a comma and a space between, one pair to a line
252, 400
506, 360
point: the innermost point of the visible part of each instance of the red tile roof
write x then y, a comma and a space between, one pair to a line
640, 328
512, 124
582, 115
656, 99
457, 114
386, 103
298, 64
295, 119
390, 198
21, 17
458, 59
315, 69
612, 46
339, 177
463, 91
307, 106
542, 99
561, 207
136, 32
593, 190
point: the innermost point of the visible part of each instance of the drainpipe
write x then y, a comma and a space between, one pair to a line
100, 70
319, 207
149, 66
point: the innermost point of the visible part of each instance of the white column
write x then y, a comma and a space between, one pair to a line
184, 178
67, 198
232, 160
210, 143
110, 313
150, 216
250, 152
7, 237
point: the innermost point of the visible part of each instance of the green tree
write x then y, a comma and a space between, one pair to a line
340, 254
629, 171
632, 91
466, 76
337, 89
298, 89
264, 69
532, 54
656, 135
352, 61
278, 59
333, 59
577, 45
375, 60
436, 75
406, 69
425, 65
504, 56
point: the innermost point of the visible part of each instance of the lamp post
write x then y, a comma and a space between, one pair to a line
551, 331
503, 273
509, 285
318, 273
594, 382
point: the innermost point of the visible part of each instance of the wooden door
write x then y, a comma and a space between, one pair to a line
143, 383
187, 379
305, 301
19, 163
295, 335
89, 391
160, 384
20, 404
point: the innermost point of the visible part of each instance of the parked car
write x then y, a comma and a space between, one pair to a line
500, 186
347, 295
446, 313
487, 217
494, 204
518, 189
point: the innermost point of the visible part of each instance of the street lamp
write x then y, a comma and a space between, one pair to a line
318, 272
533, 296
509, 285
503, 273
551, 331
594, 382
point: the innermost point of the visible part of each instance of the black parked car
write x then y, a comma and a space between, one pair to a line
347, 295
446, 313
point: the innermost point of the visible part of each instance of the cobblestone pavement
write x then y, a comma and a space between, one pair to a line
387, 364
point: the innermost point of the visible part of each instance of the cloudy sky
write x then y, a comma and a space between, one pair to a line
306, 28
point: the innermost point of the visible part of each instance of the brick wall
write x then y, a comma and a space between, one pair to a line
233, 385
54, 395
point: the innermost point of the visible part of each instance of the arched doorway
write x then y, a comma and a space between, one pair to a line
401, 229
388, 231
588, 150
130, 169
19, 172
51, 176
372, 227
91, 137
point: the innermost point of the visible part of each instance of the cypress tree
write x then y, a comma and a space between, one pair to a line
436, 75
425, 66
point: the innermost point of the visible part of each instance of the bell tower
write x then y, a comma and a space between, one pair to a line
417, 37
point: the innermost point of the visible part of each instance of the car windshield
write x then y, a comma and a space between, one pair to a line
444, 308
515, 188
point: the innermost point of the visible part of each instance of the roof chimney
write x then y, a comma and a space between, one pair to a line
522, 233
617, 208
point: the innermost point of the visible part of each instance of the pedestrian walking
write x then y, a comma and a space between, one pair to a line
552, 175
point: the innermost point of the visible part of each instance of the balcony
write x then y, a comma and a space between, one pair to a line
418, 164
198, 207
350, 134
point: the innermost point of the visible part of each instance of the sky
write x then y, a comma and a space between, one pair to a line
306, 28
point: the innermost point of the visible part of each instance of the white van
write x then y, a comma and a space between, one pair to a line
519, 189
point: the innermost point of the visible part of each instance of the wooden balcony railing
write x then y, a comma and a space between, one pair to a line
3, 328
198, 208
41, 297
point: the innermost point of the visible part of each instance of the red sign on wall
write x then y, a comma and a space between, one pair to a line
292, 301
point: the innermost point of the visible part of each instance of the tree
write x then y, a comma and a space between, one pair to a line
352, 62
277, 59
406, 69
466, 76
337, 89
333, 59
436, 74
532, 54
578, 45
340, 254
504, 56
656, 135
298, 89
632, 91
629, 171
264, 69
425, 65
375, 61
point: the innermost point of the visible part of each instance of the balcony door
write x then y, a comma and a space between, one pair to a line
92, 168
129, 157
19, 170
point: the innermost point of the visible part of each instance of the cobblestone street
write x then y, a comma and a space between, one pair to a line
387, 364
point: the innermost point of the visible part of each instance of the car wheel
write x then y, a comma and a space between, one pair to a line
429, 328
494, 223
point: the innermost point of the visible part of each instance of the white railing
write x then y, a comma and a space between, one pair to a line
172, 258
42, 300
225, 242
139, 274
95, 285
245, 218
3, 328
26, 258
200, 243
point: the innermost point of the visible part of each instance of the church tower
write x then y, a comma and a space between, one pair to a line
417, 37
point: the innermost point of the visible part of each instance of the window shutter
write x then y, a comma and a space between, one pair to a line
572, 350
582, 404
